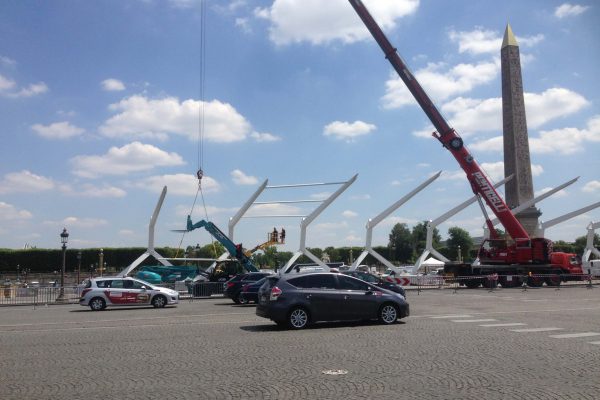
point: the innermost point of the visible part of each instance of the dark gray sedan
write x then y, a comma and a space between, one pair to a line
296, 300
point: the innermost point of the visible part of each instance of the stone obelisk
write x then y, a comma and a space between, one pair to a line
516, 141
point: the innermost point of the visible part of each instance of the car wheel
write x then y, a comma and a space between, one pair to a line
236, 298
241, 299
298, 318
159, 301
97, 304
388, 314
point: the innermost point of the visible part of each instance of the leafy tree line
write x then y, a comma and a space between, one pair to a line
404, 246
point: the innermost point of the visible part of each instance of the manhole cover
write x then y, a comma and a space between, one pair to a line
335, 372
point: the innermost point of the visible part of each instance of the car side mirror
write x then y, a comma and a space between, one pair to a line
144, 288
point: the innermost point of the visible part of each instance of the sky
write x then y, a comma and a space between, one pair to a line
102, 103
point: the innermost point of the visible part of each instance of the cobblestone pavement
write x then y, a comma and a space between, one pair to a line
475, 344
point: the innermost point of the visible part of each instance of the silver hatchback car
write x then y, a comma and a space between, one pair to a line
100, 293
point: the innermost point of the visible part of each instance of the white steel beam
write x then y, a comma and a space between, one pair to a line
589, 246
150, 251
529, 203
371, 223
306, 221
432, 224
565, 217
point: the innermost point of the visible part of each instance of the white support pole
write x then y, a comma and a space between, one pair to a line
432, 224
529, 203
236, 218
565, 217
310, 218
372, 223
589, 246
150, 251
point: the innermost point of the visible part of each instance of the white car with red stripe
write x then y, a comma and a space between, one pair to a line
100, 293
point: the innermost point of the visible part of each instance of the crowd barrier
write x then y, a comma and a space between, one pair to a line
13, 295
504, 281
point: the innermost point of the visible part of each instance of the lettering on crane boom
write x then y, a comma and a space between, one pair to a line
489, 192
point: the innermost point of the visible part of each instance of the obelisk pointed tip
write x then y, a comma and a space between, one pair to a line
509, 37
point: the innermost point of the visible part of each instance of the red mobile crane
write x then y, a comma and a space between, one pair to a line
520, 256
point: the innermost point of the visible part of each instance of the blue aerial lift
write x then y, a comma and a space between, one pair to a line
235, 250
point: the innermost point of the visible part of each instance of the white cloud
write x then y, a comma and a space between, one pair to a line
566, 140
591, 187
264, 137
240, 178
112, 85
321, 22
349, 214
25, 182
140, 117
569, 10
494, 144
7, 61
560, 193
550, 104
559, 141
6, 84
86, 223
348, 131
468, 115
89, 190
483, 41
321, 195
361, 197
184, 211
186, 4
57, 130
132, 157
494, 171
8, 212
439, 84
178, 184
273, 209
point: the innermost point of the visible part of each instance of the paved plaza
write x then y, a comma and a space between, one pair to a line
473, 344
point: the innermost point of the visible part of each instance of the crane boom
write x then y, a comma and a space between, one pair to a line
480, 184
235, 250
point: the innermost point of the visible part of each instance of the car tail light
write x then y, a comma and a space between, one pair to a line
85, 291
275, 293
230, 284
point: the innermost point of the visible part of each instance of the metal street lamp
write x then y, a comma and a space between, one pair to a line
101, 260
64, 238
18, 276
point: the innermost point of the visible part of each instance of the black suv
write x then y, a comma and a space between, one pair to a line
233, 287
377, 281
296, 300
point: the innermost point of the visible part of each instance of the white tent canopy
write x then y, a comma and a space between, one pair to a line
432, 262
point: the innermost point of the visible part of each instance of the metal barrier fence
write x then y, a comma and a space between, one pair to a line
43, 295
70, 294
503, 281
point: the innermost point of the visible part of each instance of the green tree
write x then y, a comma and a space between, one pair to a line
459, 237
400, 243
581, 241
419, 237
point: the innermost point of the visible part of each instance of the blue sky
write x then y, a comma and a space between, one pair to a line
99, 103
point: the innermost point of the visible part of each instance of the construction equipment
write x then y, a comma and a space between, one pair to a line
517, 255
235, 250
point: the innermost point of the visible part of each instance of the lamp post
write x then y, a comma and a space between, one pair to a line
459, 254
18, 276
101, 260
64, 238
78, 266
